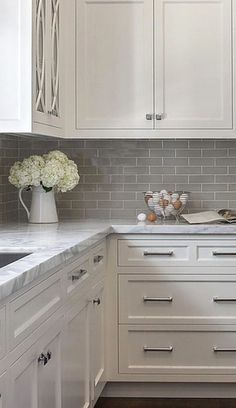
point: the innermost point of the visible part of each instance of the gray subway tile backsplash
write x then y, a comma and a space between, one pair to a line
114, 174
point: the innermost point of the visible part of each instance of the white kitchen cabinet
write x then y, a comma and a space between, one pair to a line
31, 74
193, 60
97, 336
113, 64
152, 68
35, 378
75, 358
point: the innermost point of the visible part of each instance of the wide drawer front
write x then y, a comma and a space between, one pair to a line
167, 350
28, 311
153, 252
149, 299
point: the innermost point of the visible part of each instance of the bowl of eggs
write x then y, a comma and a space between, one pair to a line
166, 204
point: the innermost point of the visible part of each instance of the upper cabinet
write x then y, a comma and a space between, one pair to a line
118, 68
31, 59
114, 64
152, 68
193, 64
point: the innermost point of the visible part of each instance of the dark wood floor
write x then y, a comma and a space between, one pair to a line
165, 403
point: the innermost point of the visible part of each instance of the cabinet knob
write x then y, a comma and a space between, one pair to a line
97, 301
159, 116
42, 359
149, 116
49, 355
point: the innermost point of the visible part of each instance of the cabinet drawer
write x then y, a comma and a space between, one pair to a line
151, 299
222, 253
153, 253
175, 350
77, 276
28, 311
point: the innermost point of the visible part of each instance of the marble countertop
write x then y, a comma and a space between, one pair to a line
53, 244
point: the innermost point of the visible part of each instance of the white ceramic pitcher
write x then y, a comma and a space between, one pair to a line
43, 206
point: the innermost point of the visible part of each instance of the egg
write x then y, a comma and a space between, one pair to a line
152, 217
168, 210
174, 197
141, 217
163, 192
177, 204
165, 203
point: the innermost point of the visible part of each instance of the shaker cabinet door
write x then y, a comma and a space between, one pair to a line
114, 64
75, 359
193, 58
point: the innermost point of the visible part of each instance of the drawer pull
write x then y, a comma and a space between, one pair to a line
97, 259
97, 301
224, 350
219, 299
215, 253
166, 349
157, 299
81, 273
169, 253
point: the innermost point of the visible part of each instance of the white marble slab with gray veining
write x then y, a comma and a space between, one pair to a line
52, 245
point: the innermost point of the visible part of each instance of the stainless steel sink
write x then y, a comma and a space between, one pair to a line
7, 258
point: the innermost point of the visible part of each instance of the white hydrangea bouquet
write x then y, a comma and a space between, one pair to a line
52, 172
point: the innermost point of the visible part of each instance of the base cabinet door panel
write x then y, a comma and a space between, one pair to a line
75, 359
193, 64
35, 378
49, 376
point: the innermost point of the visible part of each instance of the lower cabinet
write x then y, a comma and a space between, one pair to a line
75, 358
83, 350
35, 378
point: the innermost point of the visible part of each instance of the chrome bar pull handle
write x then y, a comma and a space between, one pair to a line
165, 349
221, 299
215, 253
158, 299
169, 253
224, 349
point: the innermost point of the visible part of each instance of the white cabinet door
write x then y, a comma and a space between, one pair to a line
97, 335
193, 64
15, 65
47, 62
49, 375
75, 359
114, 64
35, 378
